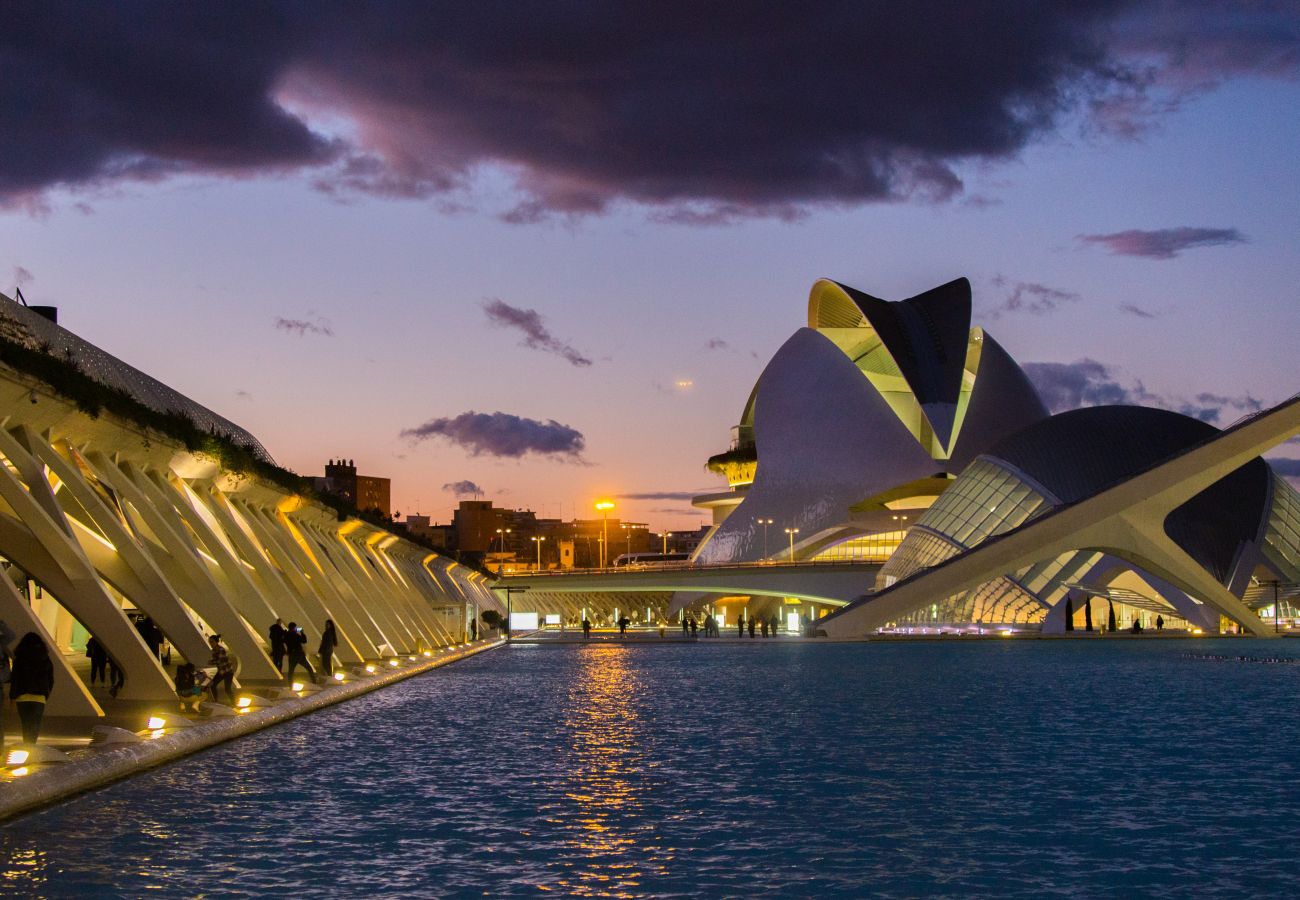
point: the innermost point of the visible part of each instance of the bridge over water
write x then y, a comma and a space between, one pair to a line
829, 584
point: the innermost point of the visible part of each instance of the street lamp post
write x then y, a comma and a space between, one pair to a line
792, 532
627, 531
604, 506
538, 542
765, 523
665, 535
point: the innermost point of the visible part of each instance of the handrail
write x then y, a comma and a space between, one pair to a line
691, 567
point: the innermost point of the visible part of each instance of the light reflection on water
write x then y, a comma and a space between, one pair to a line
747, 769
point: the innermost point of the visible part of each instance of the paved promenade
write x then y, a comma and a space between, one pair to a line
125, 753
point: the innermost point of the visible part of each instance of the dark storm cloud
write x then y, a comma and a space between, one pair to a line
462, 488
304, 327
503, 434
528, 322
1087, 382
705, 112
1165, 243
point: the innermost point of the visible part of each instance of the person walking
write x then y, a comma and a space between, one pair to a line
329, 639
762, 626
694, 628
116, 677
276, 634
686, 628
586, 628
751, 628
225, 674
30, 683
294, 641
98, 661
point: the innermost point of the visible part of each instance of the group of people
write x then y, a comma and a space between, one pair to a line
290, 642
29, 672
767, 626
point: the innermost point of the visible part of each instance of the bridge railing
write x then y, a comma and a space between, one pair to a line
692, 567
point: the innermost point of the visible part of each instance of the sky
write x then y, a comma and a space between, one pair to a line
540, 253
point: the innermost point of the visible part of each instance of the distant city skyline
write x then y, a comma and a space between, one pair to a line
544, 261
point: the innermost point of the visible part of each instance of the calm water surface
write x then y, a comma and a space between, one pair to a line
761, 769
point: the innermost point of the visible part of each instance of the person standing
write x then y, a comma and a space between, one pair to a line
751, 628
294, 641
220, 660
277, 644
329, 639
586, 628
694, 627
762, 625
98, 661
740, 626
6, 671
30, 683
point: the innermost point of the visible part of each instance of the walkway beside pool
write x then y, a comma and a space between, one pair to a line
33, 777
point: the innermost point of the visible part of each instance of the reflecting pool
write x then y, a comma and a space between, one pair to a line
739, 768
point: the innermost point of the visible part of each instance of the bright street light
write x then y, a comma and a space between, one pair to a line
792, 532
538, 542
604, 506
765, 523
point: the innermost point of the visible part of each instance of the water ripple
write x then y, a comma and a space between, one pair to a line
765, 770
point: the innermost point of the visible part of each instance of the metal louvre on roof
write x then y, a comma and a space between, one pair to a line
22, 325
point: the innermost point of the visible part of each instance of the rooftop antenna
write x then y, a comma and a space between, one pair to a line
19, 293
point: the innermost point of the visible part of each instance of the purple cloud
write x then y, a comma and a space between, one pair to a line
536, 336
665, 495
1030, 297
502, 434
1165, 243
1133, 309
1087, 382
590, 106
1286, 467
304, 327
463, 488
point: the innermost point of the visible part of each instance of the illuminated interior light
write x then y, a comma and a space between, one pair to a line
20, 772
244, 702
338, 676
156, 722
411, 658
16, 757
156, 733
427, 653
393, 663
297, 686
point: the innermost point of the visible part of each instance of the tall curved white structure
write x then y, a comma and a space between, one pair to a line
865, 414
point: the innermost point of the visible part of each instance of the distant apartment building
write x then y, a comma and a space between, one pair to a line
366, 492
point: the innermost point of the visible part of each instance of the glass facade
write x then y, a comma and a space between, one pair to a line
1282, 536
865, 548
